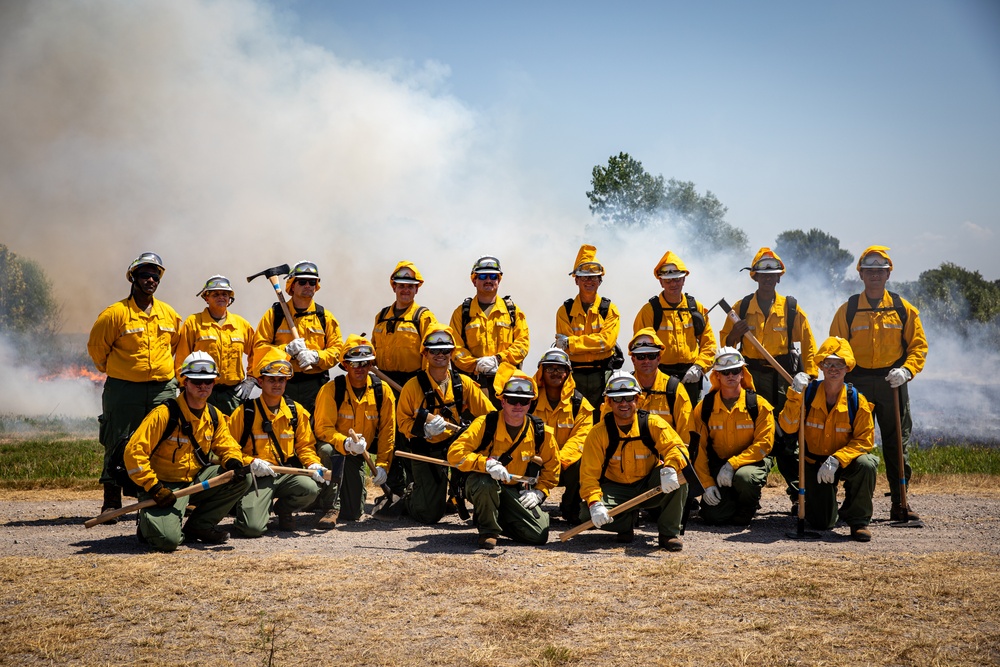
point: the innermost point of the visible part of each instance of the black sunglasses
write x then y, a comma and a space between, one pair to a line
312, 282
155, 277
731, 371
202, 383
622, 399
359, 364
646, 356
517, 400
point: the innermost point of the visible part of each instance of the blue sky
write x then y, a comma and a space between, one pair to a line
876, 122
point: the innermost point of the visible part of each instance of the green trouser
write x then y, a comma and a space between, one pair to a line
859, 486
499, 512
740, 501
329, 495
293, 492
161, 526
569, 506
769, 384
224, 397
125, 404
353, 491
428, 496
877, 391
671, 505
590, 382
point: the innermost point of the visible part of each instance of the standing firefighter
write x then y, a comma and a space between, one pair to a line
491, 330
133, 341
839, 434
587, 328
398, 337
362, 403
735, 431
498, 445
171, 449
776, 322
888, 342
626, 454
275, 431
570, 416
681, 324
226, 337
315, 350
429, 413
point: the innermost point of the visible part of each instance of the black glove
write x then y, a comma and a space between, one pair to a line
163, 496
239, 470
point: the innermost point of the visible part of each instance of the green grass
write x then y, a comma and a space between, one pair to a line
954, 460
50, 463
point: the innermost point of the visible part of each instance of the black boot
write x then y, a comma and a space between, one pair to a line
112, 500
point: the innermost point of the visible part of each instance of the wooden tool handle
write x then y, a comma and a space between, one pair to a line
180, 493
288, 313
757, 344
638, 500
441, 462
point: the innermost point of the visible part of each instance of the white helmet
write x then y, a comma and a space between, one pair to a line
150, 258
218, 283
199, 366
555, 357
728, 358
622, 384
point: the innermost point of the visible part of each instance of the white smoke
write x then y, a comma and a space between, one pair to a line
209, 133
22, 393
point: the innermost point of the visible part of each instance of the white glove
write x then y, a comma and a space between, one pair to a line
357, 447
897, 377
827, 472
531, 498
434, 426
668, 480
562, 342
318, 471
261, 468
296, 346
307, 358
244, 388
712, 496
599, 514
693, 375
486, 365
497, 471
725, 476
799, 382
380, 476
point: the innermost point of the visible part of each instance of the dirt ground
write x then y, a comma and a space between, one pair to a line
39, 524
399, 593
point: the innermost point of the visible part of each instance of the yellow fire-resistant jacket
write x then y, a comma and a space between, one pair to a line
462, 452
489, 335
654, 401
570, 432
334, 423
591, 337
829, 432
399, 351
875, 336
633, 461
411, 399
301, 443
130, 345
676, 332
328, 343
772, 333
226, 343
735, 437
174, 459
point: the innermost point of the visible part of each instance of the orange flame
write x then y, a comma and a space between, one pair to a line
75, 372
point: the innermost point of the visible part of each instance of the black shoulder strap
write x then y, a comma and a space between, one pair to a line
278, 316
188, 430
268, 428
173, 417
604, 307
753, 409
294, 422
614, 438
576, 400
852, 398
339, 390
248, 414
707, 405
697, 319
511, 310
539, 427
457, 391
897, 305
644, 434
382, 315
745, 306
568, 305
657, 312
791, 311
466, 318
489, 430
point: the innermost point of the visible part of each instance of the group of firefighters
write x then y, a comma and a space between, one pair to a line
439, 414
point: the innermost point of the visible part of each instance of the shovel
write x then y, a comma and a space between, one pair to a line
905, 523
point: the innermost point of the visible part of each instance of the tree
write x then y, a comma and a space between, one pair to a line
815, 252
26, 302
957, 296
705, 215
624, 193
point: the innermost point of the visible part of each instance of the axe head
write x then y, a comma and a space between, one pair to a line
282, 270
725, 306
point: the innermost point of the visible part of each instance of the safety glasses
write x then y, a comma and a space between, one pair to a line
359, 364
645, 356
311, 282
488, 276
517, 400
622, 399
730, 371
202, 383
552, 369
833, 367
217, 293
438, 352
155, 277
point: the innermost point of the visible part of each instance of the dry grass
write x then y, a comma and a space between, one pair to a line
518, 607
